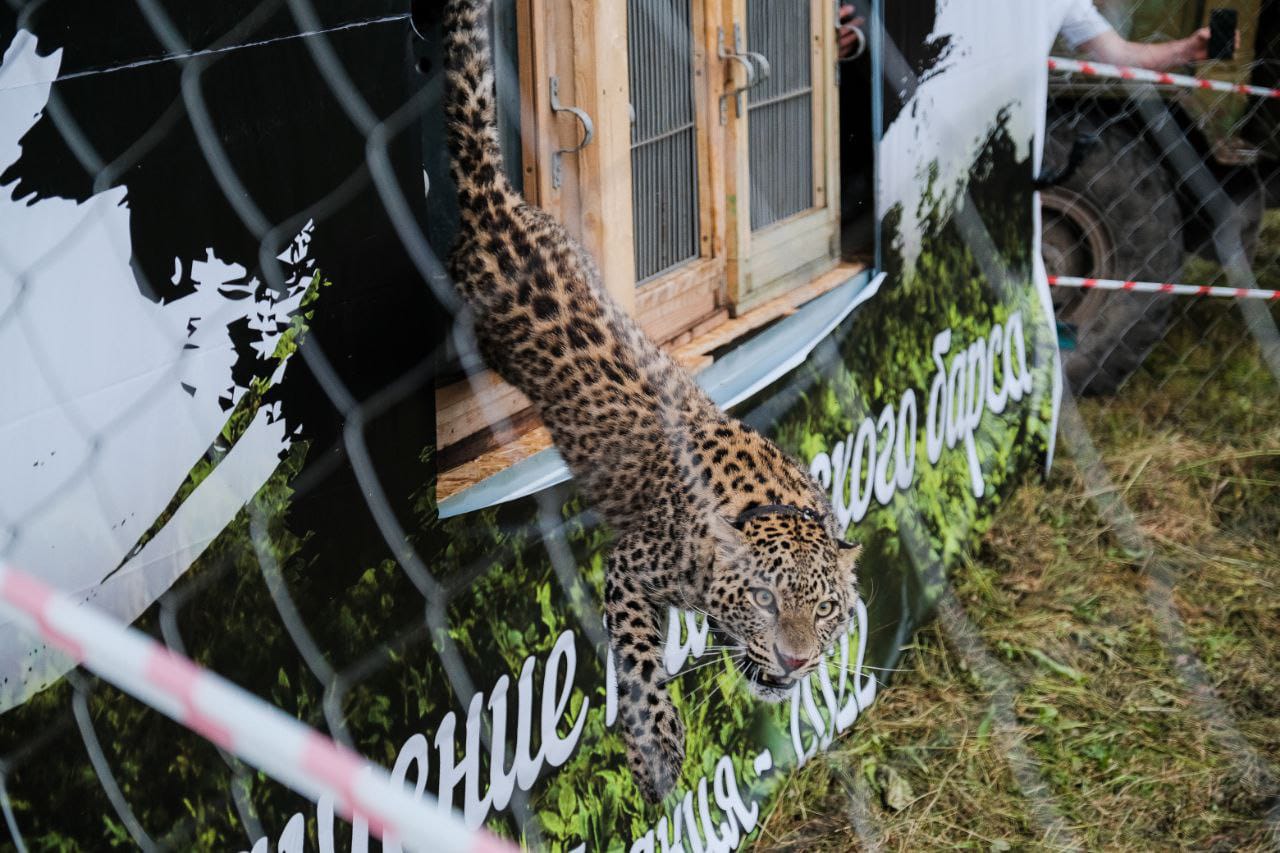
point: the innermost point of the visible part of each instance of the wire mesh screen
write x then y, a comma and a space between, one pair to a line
664, 150
780, 112
1175, 207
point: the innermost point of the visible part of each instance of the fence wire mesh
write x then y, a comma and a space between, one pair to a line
1179, 187
84, 765
1173, 189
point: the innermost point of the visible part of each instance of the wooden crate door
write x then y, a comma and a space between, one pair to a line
780, 113
678, 271
582, 47
785, 227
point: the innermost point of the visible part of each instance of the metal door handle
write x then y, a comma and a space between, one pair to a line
763, 62
739, 56
735, 55
763, 68
588, 133
862, 43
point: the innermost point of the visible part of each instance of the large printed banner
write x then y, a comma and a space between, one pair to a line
193, 292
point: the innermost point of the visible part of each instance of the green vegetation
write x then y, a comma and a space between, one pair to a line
1101, 690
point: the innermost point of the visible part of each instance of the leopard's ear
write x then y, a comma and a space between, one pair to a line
729, 541
848, 554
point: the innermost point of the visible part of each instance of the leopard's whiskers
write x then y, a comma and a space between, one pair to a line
884, 668
731, 654
703, 665
713, 689
695, 697
684, 599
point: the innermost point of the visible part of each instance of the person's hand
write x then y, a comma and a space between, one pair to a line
1197, 45
849, 20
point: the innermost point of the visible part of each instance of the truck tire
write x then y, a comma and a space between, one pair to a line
1117, 217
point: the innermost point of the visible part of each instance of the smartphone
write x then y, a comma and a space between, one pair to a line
1222, 34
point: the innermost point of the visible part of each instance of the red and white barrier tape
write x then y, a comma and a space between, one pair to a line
235, 720
1124, 72
1154, 287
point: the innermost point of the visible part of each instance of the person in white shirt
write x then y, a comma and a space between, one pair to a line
1084, 29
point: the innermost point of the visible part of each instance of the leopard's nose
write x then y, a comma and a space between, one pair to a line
789, 664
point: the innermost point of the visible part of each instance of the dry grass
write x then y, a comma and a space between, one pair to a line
1111, 699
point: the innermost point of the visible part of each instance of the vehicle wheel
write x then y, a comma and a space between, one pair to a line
1116, 217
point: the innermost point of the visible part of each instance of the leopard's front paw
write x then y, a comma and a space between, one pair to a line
655, 751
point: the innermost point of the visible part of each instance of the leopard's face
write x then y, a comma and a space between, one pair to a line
780, 598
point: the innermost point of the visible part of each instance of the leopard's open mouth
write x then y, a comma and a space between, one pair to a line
754, 671
769, 681
757, 674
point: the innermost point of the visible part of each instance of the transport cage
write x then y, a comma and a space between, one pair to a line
250, 422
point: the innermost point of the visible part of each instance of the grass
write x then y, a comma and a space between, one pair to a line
1077, 690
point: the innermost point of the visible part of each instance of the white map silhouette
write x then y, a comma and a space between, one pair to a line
107, 399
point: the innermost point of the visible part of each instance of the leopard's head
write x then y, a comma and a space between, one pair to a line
784, 586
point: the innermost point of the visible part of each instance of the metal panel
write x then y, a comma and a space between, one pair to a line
664, 151
780, 111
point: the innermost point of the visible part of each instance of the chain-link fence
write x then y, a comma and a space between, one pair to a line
1159, 242
172, 177
304, 419
1172, 188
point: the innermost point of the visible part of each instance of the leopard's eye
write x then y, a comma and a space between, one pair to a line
762, 597
825, 608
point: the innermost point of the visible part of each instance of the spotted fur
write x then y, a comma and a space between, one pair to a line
668, 471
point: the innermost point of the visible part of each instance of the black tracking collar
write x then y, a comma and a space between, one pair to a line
773, 509
781, 509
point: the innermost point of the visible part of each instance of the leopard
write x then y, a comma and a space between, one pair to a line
706, 514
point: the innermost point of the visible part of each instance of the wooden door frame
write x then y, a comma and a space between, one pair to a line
769, 255
583, 44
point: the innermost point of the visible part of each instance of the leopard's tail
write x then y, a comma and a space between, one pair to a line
476, 156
